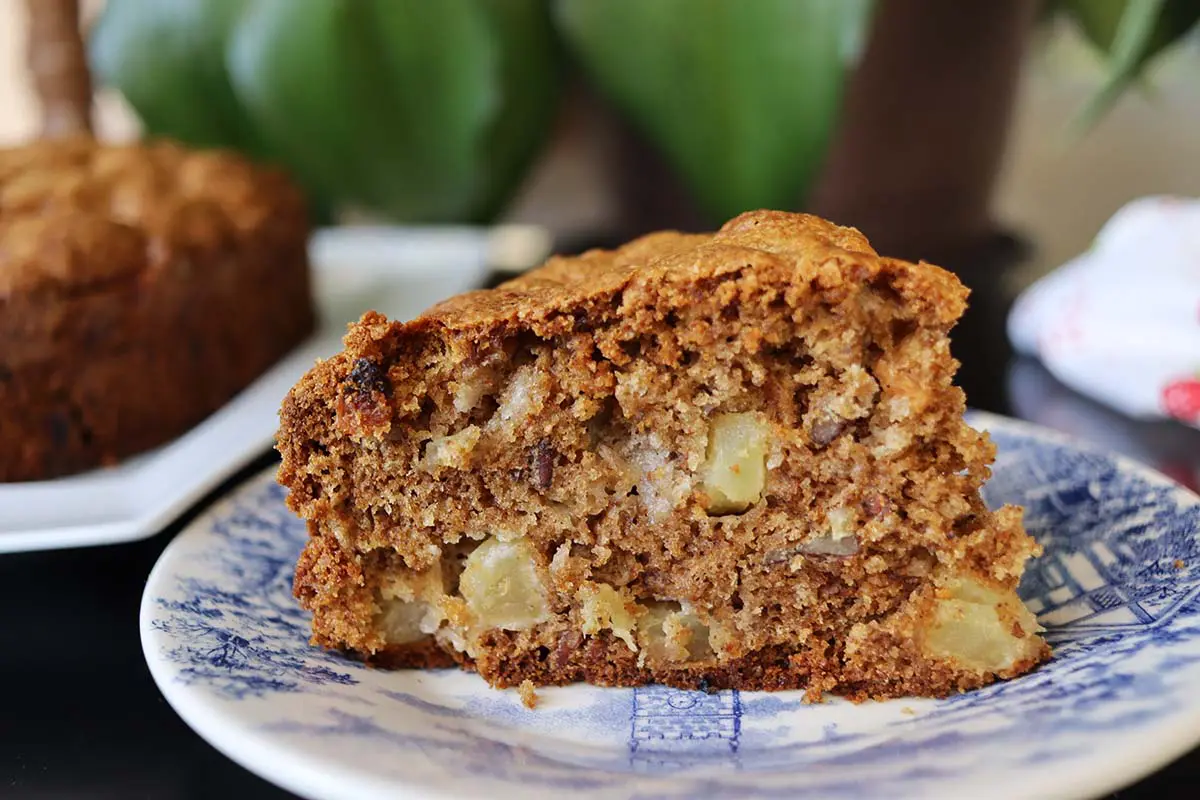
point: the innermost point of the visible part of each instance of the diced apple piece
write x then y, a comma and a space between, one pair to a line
662, 481
735, 471
669, 633
408, 605
453, 450
603, 607
400, 621
982, 628
501, 586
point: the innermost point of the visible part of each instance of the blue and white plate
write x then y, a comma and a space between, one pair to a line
1118, 589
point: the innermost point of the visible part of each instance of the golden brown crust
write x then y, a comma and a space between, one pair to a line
75, 213
559, 383
140, 288
426, 654
806, 248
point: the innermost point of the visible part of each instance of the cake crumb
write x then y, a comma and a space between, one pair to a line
908, 711
529, 696
606, 441
1179, 563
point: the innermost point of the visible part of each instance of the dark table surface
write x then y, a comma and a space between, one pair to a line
81, 717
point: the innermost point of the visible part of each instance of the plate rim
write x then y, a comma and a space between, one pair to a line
1142, 752
275, 763
149, 514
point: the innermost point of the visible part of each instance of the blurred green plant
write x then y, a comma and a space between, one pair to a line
427, 112
740, 97
164, 57
1130, 34
432, 111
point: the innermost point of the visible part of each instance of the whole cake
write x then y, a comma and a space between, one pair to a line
719, 460
141, 287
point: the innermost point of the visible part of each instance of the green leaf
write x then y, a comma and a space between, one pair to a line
530, 63
855, 27
741, 97
392, 103
167, 58
1131, 33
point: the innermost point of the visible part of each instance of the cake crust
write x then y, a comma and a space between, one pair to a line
141, 287
568, 419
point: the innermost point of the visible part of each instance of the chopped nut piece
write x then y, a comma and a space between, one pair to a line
874, 505
541, 465
735, 471
837, 539
568, 643
817, 546
891, 440
826, 430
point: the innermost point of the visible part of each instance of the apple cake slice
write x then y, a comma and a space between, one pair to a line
718, 460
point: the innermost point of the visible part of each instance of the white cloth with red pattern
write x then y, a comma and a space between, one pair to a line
1121, 322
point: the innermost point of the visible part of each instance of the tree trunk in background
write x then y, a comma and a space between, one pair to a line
924, 125
917, 152
58, 66
914, 159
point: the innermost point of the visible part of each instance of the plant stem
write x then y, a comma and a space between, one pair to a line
57, 61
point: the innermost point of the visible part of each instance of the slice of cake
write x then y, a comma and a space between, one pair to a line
720, 460
141, 287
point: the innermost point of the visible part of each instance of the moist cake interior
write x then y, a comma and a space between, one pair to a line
702, 461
